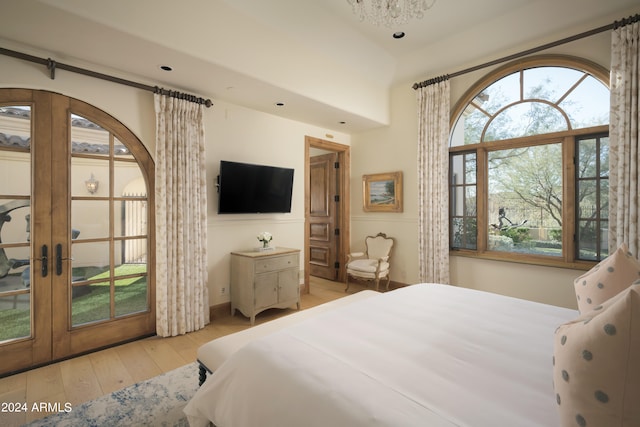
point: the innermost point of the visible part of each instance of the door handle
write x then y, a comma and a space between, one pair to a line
59, 259
44, 268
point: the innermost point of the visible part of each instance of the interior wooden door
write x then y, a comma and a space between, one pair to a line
323, 233
88, 280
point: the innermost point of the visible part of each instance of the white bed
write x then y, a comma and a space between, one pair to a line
212, 354
423, 355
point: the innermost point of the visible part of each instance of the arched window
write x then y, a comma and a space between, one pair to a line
529, 163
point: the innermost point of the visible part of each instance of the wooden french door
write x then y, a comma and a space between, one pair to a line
76, 230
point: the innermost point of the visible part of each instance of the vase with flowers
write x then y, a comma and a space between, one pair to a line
265, 237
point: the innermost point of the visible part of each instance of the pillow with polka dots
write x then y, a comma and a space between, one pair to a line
610, 277
596, 364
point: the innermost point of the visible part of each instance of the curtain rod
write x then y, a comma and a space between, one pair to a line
615, 25
52, 66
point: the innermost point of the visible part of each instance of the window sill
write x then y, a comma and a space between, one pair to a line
524, 259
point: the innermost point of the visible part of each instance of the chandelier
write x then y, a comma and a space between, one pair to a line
390, 13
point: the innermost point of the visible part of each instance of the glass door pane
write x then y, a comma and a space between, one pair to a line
130, 276
15, 214
91, 282
109, 227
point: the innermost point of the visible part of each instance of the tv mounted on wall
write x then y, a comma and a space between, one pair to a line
250, 188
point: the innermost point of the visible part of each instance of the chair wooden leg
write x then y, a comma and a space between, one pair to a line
377, 284
347, 288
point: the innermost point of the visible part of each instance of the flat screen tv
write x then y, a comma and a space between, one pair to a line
249, 188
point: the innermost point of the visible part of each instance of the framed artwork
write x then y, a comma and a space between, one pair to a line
382, 192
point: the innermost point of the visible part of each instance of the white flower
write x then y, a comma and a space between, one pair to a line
265, 236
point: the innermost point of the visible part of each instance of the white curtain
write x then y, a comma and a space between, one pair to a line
623, 138
182, 301
433, 178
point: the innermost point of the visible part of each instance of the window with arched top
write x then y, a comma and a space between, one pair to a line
529, 163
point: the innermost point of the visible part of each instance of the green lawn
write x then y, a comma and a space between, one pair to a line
121, 270
94, 305
91, 302
15, 324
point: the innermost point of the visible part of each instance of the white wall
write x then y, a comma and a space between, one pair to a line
240, 134
232, 133
394, 148
389, 149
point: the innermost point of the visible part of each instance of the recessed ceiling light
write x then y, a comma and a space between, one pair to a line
398, 34
166, 68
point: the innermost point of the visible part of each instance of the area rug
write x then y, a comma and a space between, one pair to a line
158, 401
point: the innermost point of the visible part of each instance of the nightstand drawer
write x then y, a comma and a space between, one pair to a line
276, 263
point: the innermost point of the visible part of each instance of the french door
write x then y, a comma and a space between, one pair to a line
76, 230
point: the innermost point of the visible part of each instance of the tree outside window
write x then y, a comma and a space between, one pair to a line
529, 165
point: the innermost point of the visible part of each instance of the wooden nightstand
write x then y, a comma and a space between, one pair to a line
262, 280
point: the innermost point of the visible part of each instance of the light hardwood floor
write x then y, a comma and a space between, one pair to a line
90, 376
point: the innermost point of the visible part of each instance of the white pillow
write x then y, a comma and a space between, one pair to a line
607, 279
596, 364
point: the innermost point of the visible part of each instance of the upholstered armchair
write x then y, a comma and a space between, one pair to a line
373, 264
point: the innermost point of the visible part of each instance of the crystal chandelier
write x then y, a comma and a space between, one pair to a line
390, 13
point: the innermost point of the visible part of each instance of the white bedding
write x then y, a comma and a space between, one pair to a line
217, 351
423, 355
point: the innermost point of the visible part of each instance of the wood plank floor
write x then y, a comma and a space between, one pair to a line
90, 376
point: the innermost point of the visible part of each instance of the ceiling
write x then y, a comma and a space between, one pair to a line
314, 56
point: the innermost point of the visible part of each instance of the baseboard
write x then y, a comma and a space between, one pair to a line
396, 285
219, 310
369, 284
